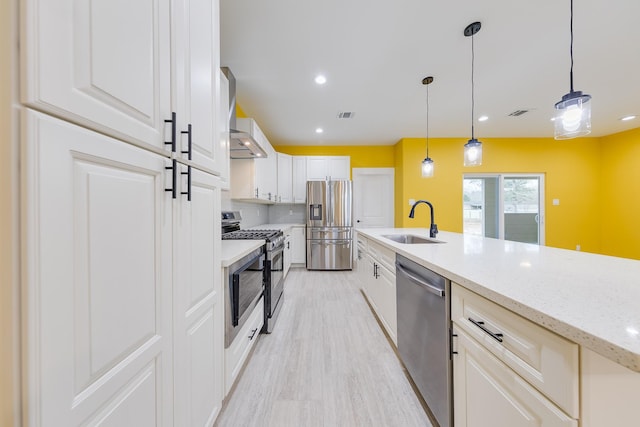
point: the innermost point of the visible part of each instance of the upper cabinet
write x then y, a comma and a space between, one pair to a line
299, 177
120, 83
117, 82
197, 81
285, 189
256, 179
320, 168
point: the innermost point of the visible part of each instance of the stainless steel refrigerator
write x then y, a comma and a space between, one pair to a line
329, 225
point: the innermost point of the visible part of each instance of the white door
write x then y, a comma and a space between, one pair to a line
102, 64
97, 282
197, 293
197, 63
373, 197
487, 393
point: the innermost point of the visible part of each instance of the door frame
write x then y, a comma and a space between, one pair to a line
541, 198
362, 173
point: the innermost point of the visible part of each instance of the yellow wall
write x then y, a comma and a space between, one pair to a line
620, 202
571, 171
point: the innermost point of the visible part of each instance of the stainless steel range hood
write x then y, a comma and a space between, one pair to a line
243, 143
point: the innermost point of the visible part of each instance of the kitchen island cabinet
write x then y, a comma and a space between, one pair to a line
558, 291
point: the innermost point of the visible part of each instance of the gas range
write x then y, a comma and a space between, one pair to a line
273, 238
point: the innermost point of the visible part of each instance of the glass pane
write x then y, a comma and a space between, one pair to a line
521, 209
480, 206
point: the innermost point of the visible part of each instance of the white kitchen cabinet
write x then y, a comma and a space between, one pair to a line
238, 351
223, 131
120, 82
255, 180
285, 186
320, 168
286, 254
98, 343
378, 280
299, 177
298, 245
198, 306
546, 361
488, 393
78, 68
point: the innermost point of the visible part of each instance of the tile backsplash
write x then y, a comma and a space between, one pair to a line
256, 214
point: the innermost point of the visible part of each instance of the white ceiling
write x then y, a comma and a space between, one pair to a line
375, 53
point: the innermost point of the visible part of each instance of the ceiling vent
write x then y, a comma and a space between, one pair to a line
346, 115
518, 113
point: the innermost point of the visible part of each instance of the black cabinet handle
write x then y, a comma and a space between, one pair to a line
173, 133
256, 192
253, 333
188, 192
480, 324
188, 132
174, 178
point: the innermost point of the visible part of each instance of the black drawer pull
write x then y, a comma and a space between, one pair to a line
253, 333
480, 324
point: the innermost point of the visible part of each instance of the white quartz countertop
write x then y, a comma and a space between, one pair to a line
592, 300
282, 227
233, 250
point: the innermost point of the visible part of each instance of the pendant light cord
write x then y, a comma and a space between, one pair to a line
571, 49
427, 121
473, 102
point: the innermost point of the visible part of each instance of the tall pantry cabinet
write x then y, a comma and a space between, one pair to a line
123, 158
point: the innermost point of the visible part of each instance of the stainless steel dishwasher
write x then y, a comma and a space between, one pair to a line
424, 334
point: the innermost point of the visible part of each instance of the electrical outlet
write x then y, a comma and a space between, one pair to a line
556, 202
290, 211
258, 212
577, 247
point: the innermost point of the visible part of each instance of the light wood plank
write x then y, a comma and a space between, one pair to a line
327, 363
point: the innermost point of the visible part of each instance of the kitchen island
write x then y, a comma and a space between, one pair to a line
590, 300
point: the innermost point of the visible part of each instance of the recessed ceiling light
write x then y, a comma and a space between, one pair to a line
483, 118
627, 118
320, 79
319, 130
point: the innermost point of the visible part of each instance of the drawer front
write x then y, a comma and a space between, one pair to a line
383, 255
546, 360
237, 353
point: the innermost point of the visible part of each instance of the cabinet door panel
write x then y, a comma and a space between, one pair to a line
98, 278
198, 328
78, 67
488, 393
197, 64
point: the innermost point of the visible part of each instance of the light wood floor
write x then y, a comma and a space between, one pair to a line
327, 363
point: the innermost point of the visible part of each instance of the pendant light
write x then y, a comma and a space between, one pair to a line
573, 111
427, 163
473, 147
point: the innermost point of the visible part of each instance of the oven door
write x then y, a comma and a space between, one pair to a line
274, 287
245, 284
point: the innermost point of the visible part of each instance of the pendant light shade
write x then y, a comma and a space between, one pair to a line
473, 153
573, 111
427, 168
427, 163
473, 148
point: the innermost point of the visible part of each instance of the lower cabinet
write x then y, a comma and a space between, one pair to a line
238, 351
379, 283
287, 253
122, 307
487, 393
507, 370
298, 245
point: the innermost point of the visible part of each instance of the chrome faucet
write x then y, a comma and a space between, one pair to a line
433, 229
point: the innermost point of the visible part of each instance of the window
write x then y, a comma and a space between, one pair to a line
504, 206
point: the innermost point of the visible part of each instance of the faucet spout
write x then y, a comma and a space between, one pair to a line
433, 228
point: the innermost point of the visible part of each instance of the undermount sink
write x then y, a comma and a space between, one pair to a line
409, 239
